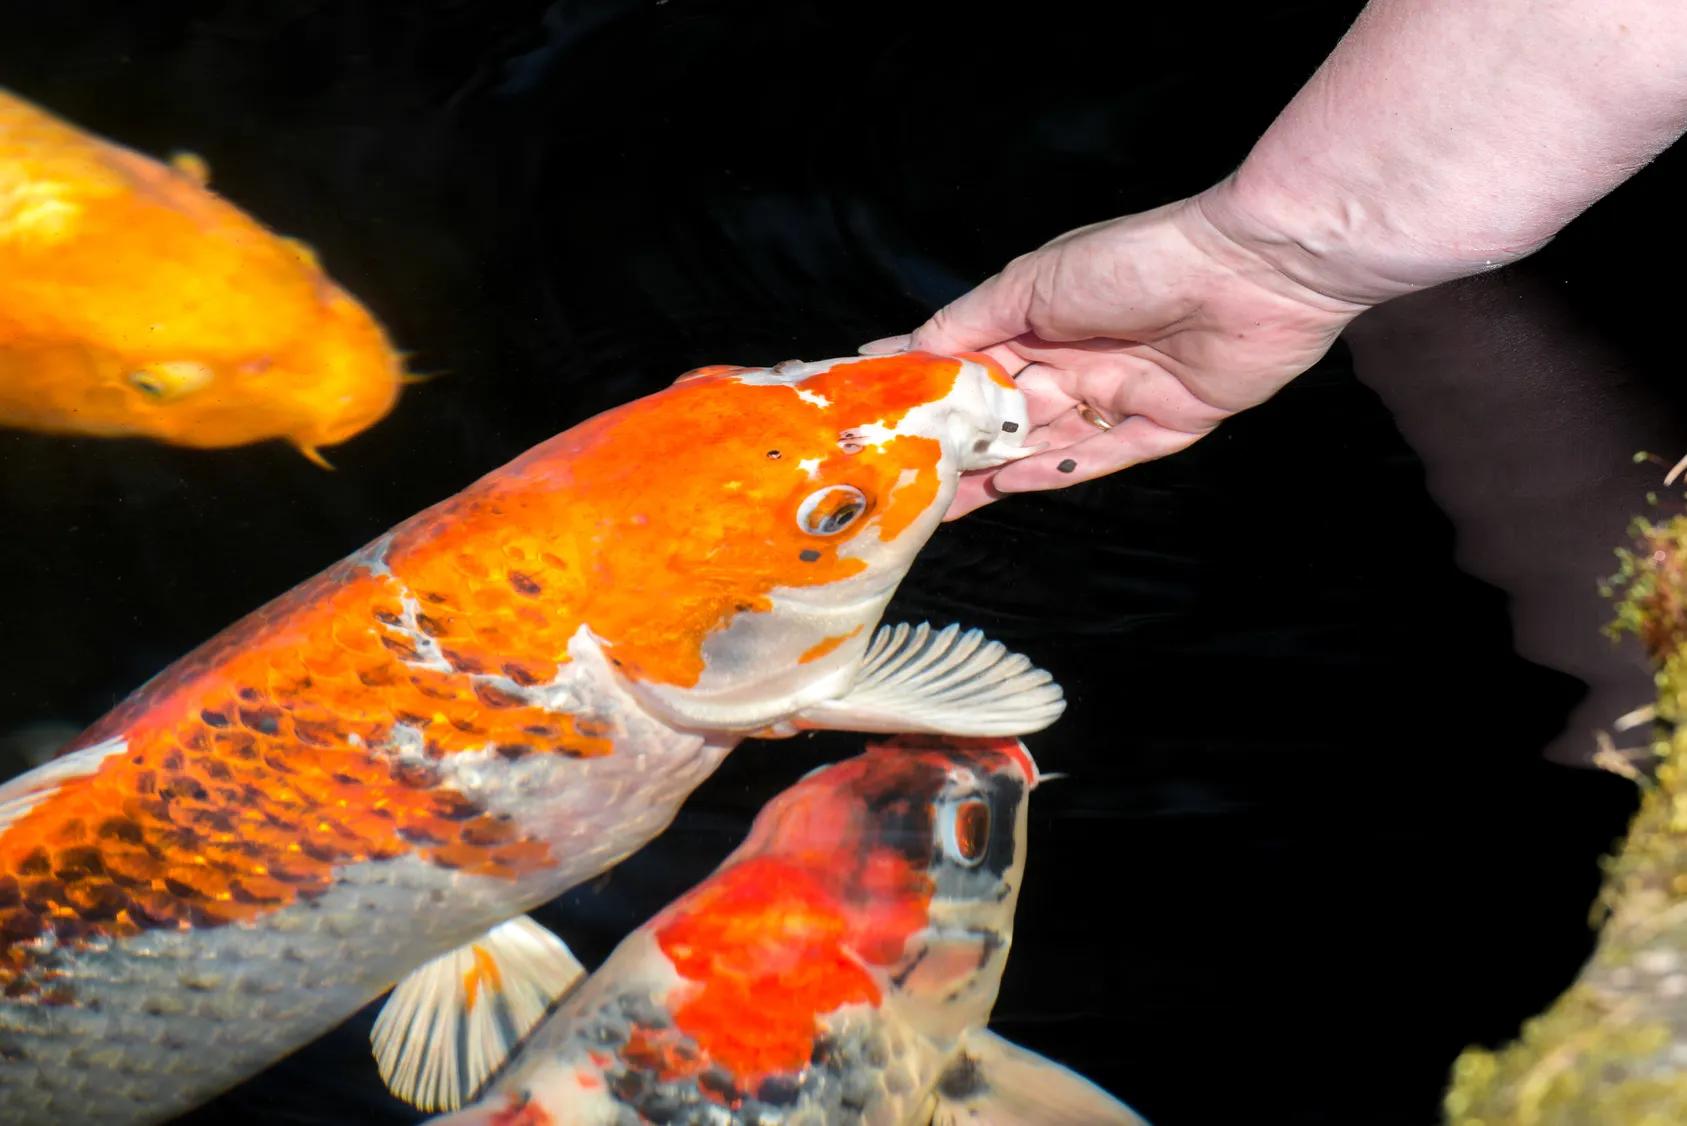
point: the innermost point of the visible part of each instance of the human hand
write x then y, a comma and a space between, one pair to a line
1133, 338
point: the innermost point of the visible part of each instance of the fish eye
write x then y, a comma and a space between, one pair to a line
170, 380
965, 826
828, 511
147, 382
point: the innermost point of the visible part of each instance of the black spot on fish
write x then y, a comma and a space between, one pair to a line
779, 1090
809, 555
962, 1081
265, 721
494, 698
1067, 466
901, 979
521, 584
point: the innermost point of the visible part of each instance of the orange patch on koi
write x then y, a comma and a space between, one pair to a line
998, 374
553, 505
821, 648
768, 939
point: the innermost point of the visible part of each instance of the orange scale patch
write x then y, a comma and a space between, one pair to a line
234, 798
897, 383
590, 528
767, 945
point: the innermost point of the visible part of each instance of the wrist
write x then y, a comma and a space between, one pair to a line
1348, 242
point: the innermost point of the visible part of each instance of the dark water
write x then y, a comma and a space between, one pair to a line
1311, 846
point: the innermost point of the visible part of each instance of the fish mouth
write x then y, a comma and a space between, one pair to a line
997, 417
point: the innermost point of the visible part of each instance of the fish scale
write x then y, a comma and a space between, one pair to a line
301, 970
838, 969
500, 698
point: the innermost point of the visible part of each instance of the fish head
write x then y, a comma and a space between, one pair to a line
140, 302
770, 513
922, 840
312, 379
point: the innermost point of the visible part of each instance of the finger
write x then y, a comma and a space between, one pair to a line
1046, 396
1004, 354
975, 492
992, 314
884, 346
1131, 442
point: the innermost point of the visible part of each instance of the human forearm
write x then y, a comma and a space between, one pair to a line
1446, 136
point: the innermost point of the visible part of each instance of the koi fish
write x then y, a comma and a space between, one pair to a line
135, 301
498, 699
839, 967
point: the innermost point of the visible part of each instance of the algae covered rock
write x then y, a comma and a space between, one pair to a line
1613, 1047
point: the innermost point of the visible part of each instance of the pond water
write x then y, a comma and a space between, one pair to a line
1311, 844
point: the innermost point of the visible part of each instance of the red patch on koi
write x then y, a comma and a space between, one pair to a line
770, 947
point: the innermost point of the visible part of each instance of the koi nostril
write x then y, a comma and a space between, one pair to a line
774, 455
1010, 427
809, 555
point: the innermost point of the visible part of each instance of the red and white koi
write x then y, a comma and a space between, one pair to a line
839, 968
503, 696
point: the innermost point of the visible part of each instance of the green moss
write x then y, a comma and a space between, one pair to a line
1613, 1048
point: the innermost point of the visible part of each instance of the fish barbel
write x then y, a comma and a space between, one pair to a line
501, 697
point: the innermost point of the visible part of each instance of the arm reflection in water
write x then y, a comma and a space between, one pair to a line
1527, 423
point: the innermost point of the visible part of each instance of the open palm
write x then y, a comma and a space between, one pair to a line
1131, 339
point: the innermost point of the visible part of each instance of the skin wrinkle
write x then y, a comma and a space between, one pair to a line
1550, 114
1440, 139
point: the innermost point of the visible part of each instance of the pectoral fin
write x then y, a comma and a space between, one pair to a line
453, 1021
996, 1083
942, 682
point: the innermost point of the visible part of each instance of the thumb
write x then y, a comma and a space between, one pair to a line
993, 313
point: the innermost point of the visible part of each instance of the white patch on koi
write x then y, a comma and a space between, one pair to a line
24, 793
814, 397
810, 466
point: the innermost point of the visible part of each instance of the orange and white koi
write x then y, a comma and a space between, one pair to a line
839, 968
135, 301
501, 697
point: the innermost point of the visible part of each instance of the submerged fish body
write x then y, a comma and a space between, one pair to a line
838, 969
496, 700
135, 301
